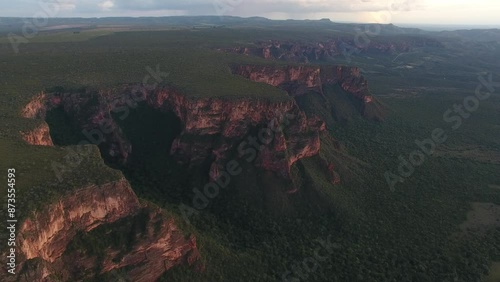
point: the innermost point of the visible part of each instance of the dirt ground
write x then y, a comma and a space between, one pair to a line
494, 275
482, 217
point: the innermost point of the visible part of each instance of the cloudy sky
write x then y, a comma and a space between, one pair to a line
464, 12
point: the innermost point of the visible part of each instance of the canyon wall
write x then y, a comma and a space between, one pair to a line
294, 79
312, 78
47, 232
232, 120
45, 235
300, 81
212, 128
327, 50
40, 135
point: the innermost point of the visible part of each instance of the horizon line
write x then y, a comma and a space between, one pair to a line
261, 17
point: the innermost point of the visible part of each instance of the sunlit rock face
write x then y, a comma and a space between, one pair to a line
212, 128
157, 246
39, 135
310, 80
48, 232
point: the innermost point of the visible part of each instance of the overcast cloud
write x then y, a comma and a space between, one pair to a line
416, 11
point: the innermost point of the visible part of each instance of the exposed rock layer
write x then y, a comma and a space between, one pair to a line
299, 81
44, 237
40, 135
300, 51
308, 78
212, 128
154, 245
47, 233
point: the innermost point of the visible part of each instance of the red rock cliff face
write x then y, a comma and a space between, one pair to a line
160, 246
233, 120
302, 75
90, 112
298, 51
36, 107
43, 238
40, 135
155, 246
309, 79
47, 233
349, 78
212, 128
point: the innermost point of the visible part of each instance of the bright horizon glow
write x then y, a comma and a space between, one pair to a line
408, 12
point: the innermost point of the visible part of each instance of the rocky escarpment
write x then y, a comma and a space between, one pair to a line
323, 51
47, 233
296, 80
219, 125
156, 245
44, 237
39, 135
89, 113
36, 108
212, 131
308, 78
312, 80
212, 128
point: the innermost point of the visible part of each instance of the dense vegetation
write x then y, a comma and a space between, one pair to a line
411, 234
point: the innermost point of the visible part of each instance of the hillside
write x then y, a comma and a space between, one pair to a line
251, 150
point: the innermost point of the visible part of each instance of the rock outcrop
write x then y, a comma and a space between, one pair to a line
308, 78
212, 128
36, 107
231, 121
324, 51
334, 176
47, 232
311, 80
90, 113
158, 247
44, 237
154, 245
40, 135
296, 80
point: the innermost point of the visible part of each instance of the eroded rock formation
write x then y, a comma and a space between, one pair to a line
212, 128
40, 135
311, 80
305, 77
308, 78
47, 233
299, 51
149, 252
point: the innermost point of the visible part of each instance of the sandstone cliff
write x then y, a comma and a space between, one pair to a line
310, 77
327, 50
47, 232
212, 128
232, 120
44, 237
296, 80
300, 81
40, 135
